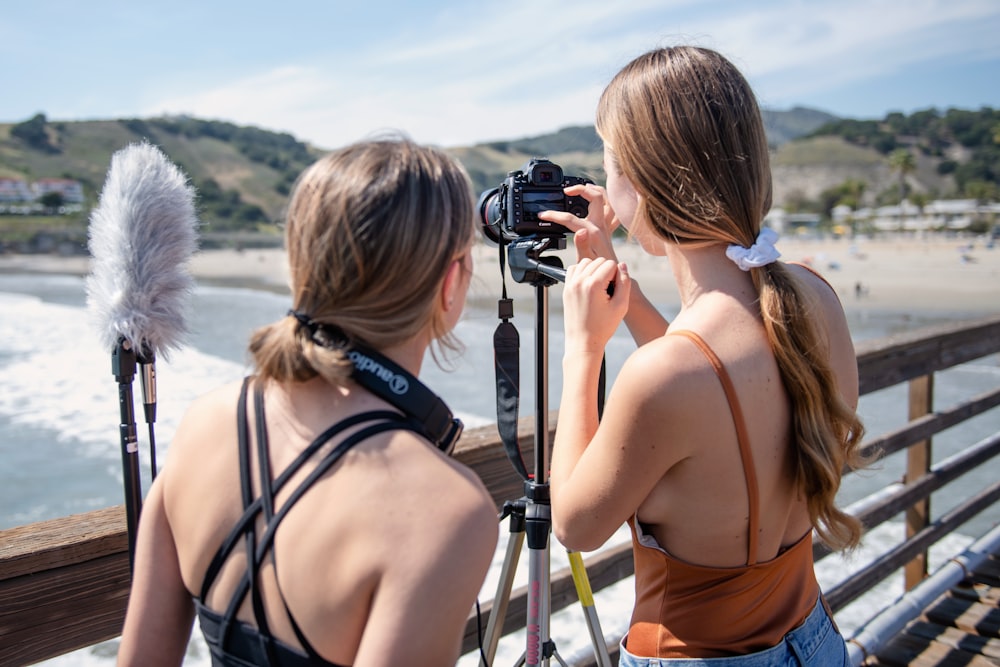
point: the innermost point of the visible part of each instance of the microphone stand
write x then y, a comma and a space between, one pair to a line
123, 365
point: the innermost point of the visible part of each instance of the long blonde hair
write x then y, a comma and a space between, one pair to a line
685, 129
371, 232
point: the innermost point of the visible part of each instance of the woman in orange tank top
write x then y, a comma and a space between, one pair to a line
724, 436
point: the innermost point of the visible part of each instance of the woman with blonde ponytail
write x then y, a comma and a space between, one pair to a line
724, 437
331, 528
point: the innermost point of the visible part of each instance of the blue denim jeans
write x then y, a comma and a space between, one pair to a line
814, 643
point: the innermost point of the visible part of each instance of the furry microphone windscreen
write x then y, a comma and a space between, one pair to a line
142, 235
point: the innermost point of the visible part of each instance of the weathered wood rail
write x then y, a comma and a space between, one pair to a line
64, 583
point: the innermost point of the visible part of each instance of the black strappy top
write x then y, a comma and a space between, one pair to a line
234, 643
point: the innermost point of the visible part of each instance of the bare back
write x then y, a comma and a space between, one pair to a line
666, 448
360, 551
698, 511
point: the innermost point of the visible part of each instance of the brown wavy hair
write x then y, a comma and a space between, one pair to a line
371, 231
685, 129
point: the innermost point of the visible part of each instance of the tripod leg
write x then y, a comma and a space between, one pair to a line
586, 597
494, 627
539, 607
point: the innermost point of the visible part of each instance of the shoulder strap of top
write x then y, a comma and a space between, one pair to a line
252, 510
254, 560
749, 472
245, 529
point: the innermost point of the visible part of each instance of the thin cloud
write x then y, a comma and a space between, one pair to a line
487, 72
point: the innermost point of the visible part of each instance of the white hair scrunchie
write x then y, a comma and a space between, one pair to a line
760, 253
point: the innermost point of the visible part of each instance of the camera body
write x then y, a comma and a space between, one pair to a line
510, 212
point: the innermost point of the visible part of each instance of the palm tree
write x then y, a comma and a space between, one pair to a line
854, 192
902, 160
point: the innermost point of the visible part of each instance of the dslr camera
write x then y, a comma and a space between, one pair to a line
510, 212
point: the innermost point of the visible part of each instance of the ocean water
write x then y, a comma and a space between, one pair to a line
60, 452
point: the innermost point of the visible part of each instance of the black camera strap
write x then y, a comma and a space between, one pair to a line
506, 359
397, 386
393, 384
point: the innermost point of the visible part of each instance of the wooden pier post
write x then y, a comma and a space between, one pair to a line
918, 464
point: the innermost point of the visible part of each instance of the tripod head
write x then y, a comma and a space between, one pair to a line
528, 266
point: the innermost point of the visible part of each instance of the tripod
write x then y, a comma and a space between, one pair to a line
531, 515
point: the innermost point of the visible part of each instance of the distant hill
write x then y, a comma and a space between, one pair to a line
579, 150
243, 174
785, 126
955, 154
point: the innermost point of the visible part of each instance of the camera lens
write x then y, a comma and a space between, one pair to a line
490, 215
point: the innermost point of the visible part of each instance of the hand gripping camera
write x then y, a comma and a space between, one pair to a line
510, 211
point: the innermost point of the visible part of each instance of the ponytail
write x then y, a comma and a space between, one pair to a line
286, 352
826, 431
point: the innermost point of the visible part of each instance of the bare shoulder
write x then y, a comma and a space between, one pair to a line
421, 473
819, 288
208, 420
664, 365
661, 387
223, 397
433, 504
473, 502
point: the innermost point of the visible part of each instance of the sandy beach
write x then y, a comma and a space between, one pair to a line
900, 275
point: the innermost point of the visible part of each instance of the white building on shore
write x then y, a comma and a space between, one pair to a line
938, 215
19, 197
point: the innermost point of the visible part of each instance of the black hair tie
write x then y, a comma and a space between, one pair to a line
304, 320
327, 335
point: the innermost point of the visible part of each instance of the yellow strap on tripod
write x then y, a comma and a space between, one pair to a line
583, 591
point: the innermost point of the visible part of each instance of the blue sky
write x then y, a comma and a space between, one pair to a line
453, 72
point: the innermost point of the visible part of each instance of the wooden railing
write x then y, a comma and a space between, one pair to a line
64, 583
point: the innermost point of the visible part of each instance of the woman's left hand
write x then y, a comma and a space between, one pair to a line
595, 299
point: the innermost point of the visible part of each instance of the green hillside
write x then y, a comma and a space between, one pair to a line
243, 174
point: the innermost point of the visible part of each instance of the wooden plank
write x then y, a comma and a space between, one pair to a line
889, 361
959, 628
910, 651
854, 586
950, 636
61, 542
968, 616
919, 429
980, 586
49, 613
988, 572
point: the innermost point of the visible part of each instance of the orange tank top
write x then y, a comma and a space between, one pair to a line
683, 610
